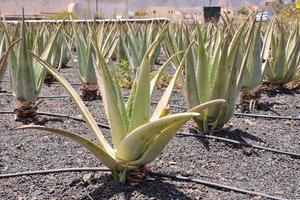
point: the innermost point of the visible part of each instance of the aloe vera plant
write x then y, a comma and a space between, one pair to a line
27, 75
283, 62
137, 136
252, 63
107, 38
136, 39
60, 54
256, 52
212, 71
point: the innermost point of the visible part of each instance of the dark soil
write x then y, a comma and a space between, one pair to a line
246, 168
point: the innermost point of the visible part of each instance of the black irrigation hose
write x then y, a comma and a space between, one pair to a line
53, 83
52, 171
173, 177
266, 116
44, 96
185, 108
58, 83
216, 185
60, 115
71, 117
294, 155
54, 96
242, 114
105, 126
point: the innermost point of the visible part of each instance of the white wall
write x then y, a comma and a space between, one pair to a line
32, 7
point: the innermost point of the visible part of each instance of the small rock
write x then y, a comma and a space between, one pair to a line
51, 190
249, 122
39, 192
19, 146
150, 179
289, 123
87, 177
229, 125
172, 163
97, 176
249, 151
187, 173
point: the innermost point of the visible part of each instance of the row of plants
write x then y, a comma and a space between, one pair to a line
214, 63
126, 44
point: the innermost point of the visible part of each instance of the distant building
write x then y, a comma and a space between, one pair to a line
85, 9
161, 11
187, 13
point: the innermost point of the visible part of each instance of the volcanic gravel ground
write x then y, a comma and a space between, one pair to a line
194, 157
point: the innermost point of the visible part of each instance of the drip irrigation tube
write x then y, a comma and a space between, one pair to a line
71, 117
58, 83
161, 175
52, 171
59, 115
53, 83
185, 108
105, 126
247, 114
44, 96
267, 116
216, 185
242, 114
294, 155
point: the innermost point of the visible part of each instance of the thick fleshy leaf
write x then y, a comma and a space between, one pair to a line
140, 113
96, 150
157, 145
206, 105
279, 60
23, 77
251, 72
159, 73
225, 78
83, 110
267, 44
135, 143
219, 86
40, 71
163, 102
4, 56
114, 105
190, 75
202, 70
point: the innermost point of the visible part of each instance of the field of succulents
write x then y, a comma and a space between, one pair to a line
150, 111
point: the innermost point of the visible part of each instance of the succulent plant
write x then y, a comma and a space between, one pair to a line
27, 75
137, 136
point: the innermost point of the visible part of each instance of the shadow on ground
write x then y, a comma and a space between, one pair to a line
152, 188
238, 135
